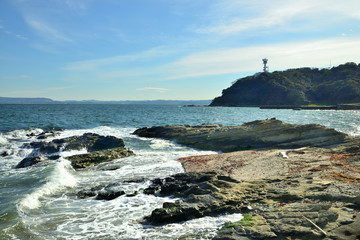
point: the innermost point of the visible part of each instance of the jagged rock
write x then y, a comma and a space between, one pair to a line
47, 134
253, 135
89, 141
109, 195
94, 158
101, 149
4, 154
29, 161
102, 192
274, 216
92, 142
202, 193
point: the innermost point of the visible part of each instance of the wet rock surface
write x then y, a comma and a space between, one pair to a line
298, 182
271, 133
100, 149
281, 208
202, 194
104, 192
28, 161
96, 157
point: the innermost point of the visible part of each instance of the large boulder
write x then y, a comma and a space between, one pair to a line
203, 194
100, 149
96, 157
260, 134
28, 161
89, 141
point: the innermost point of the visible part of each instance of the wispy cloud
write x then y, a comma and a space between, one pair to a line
116, 61
19, 36
46, 31
248, 59
232, 16
153, 89
317, 53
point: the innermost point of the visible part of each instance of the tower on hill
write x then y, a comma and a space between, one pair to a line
266, 68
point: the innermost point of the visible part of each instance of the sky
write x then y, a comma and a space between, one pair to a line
165, 49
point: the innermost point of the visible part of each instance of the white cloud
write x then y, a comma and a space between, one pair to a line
233, 16
241, 60
281, 56
161, 90
116, 61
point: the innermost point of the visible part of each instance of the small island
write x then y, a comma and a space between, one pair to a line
302, 88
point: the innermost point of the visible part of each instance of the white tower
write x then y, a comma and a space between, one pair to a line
266, 68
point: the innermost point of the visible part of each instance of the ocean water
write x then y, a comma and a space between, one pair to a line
40, 202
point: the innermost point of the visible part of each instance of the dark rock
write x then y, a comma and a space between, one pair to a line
109, 195
175, 212
4, 154
101, 148
31, 135
200, 197
47, 134
101, 192
53, 157
94, 158
90, 141
29, 161
86, 193
271, 133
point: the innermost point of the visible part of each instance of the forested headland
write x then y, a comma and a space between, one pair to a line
295, 87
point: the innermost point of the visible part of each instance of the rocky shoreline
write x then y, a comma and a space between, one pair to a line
289, 181
292, 181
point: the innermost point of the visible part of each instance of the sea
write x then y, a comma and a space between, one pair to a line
41, 201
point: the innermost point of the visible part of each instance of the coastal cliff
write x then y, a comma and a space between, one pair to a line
296, 181
295, 87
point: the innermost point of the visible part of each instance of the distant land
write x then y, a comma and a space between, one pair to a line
311, 87
7, 100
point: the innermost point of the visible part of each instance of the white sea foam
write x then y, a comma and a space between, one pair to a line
116, 219
57, 181
201, 228
72, 152
160, 144
21, 133
120, 132
3, 139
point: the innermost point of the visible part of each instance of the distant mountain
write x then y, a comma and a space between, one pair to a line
302, 86
5, 100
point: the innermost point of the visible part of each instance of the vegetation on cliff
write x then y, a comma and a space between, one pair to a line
303, 86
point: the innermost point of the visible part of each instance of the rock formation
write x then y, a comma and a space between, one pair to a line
296, 182
253, 135
100, 149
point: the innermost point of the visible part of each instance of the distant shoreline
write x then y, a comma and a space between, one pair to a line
7, 100
333, 107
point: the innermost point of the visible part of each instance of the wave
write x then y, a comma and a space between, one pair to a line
59, 179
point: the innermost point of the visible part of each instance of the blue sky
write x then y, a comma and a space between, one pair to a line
164, 49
